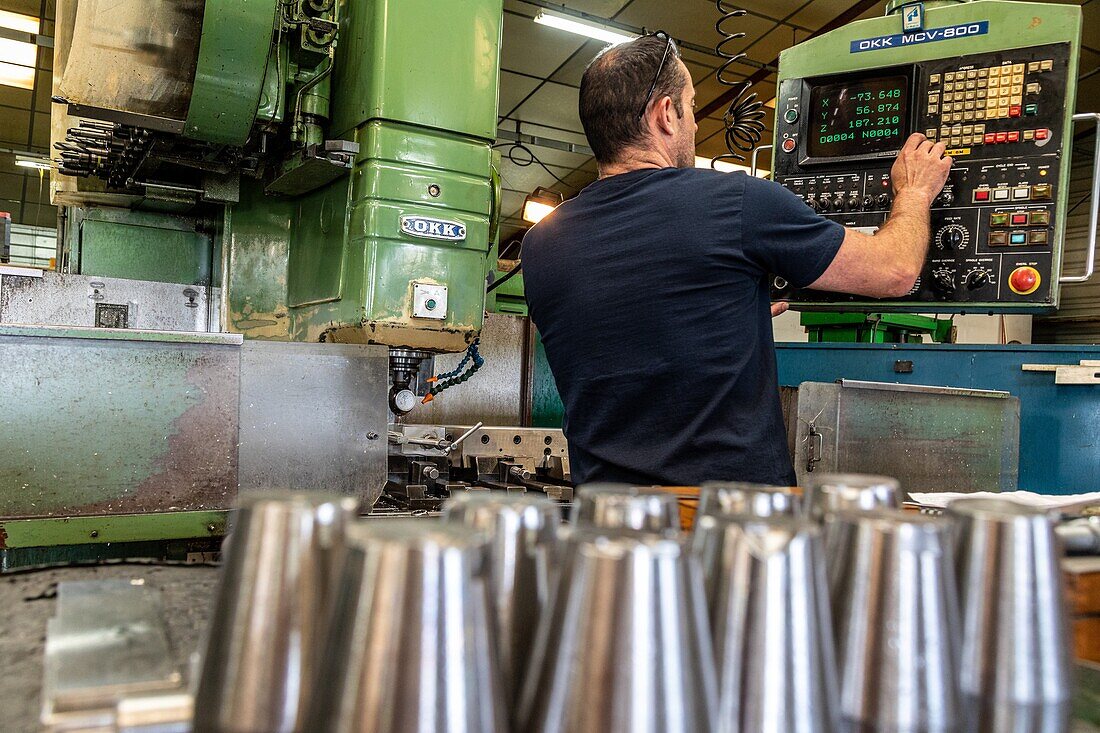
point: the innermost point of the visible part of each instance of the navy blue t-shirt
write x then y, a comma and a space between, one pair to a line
650, 292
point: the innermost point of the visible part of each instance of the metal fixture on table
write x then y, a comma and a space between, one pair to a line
625, 645
285, 551
523, 559
768, 610
411, 642
1015, 661
622, 506
737, 500
896, 603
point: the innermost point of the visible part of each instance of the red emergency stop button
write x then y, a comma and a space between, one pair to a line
788, 145
1024, 280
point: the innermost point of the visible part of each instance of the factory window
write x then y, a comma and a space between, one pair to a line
17, 58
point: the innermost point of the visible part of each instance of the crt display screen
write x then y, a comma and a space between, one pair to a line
858, 118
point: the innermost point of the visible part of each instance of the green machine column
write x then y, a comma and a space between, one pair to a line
415, 84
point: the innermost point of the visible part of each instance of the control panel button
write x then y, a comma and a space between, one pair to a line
1046, 65
1038, 218
981, 194
1031, 110
1019, 220
998, 239
1021, 194
1042, 134
1000, 194
1017, 238
1014, 110
1041, 192
1039, 237
1024, 280
1001, 137
791, 116
789, 145
1014, 136
998, 219
990, 138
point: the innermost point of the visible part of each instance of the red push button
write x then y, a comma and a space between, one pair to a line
1014, 136
1019, 219
1002, 137
990, 138
982, 194
1014, 111
1042, 134
788, 145
1024, 280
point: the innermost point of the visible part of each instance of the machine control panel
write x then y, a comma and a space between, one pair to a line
996, 226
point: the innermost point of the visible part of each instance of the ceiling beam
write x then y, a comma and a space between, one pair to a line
843, 19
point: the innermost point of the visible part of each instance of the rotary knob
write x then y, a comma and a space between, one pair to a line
944, 281
947, 198
883, 200
853, 203
976, 279
868, 203
951, 237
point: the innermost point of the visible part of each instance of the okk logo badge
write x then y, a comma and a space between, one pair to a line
426, 227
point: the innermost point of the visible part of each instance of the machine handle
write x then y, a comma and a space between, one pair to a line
753, 167
454, 446
1094, 204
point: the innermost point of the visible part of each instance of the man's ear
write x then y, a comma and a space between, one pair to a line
666, 112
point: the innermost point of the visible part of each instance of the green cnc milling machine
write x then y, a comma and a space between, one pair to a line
325, 168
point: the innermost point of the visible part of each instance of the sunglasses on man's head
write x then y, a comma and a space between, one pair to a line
669, 46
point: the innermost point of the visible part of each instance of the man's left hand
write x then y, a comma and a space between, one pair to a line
779, 308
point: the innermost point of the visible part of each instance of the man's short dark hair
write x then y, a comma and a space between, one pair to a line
613, 90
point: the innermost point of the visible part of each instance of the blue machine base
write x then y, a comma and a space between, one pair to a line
1059, 424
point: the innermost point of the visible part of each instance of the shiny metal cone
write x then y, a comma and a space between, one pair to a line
896, 618
836, 492
412, 646
744, 500
269, 618
1016, 646
523, 557
770, 618
621, 506
626, 645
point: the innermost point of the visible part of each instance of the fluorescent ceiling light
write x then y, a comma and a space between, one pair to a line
26, 161
727, 167
16, 76
19, 22
583, 27
18, 52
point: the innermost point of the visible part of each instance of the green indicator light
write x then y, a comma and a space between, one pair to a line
430, 304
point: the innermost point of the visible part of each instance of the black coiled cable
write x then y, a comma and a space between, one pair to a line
744, 119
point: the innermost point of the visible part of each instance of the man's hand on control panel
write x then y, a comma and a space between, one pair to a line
921, 168
888, 263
